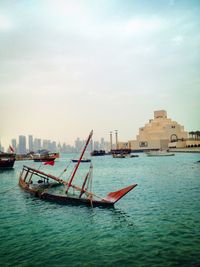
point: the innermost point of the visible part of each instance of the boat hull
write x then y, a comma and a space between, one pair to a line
43, 159
65, 200
160, 155
75, 201
7, 160
6, 164
98, 153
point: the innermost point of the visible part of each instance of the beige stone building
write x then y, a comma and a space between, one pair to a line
158, 133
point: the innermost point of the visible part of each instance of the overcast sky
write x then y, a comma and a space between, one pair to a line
67, 67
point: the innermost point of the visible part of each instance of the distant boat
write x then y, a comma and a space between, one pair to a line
68, 192
159, 153
7, 160
98, 153
134, 156
121, 153
83, 160
122, 156
44, 156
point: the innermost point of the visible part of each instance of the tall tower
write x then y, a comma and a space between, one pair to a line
116, 138
30, 143
111, 145
22, 144
37, 144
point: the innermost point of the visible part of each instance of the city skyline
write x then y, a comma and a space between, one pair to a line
71, 66
24, 144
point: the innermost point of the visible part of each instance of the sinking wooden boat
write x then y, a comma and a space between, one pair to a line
53, 188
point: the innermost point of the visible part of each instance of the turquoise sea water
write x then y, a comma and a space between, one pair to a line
156, 224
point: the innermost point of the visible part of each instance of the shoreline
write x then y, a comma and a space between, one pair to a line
185, 150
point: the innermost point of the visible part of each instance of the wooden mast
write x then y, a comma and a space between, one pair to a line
83, 185
78, 163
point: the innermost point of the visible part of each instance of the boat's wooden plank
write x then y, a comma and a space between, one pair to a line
117, 195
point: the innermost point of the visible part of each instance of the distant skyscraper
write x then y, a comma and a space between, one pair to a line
37, 144
78, 145
22, 144
53, 147
45, 144
49, 145
30, 143
96, 145
102, 144
14, 144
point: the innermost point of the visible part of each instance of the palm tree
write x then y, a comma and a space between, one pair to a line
191, 134
195, 134
198, 134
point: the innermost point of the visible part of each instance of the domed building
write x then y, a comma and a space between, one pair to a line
158, 133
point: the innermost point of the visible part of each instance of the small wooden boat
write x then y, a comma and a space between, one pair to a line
45, 156
49, 187
134, 156
124, 156
7, 160
121, 156
121, 153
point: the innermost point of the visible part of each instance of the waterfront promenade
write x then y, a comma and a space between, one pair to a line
186, 150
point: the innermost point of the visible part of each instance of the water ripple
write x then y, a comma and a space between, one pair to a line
157, 224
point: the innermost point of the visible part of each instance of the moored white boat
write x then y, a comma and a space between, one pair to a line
159, 153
